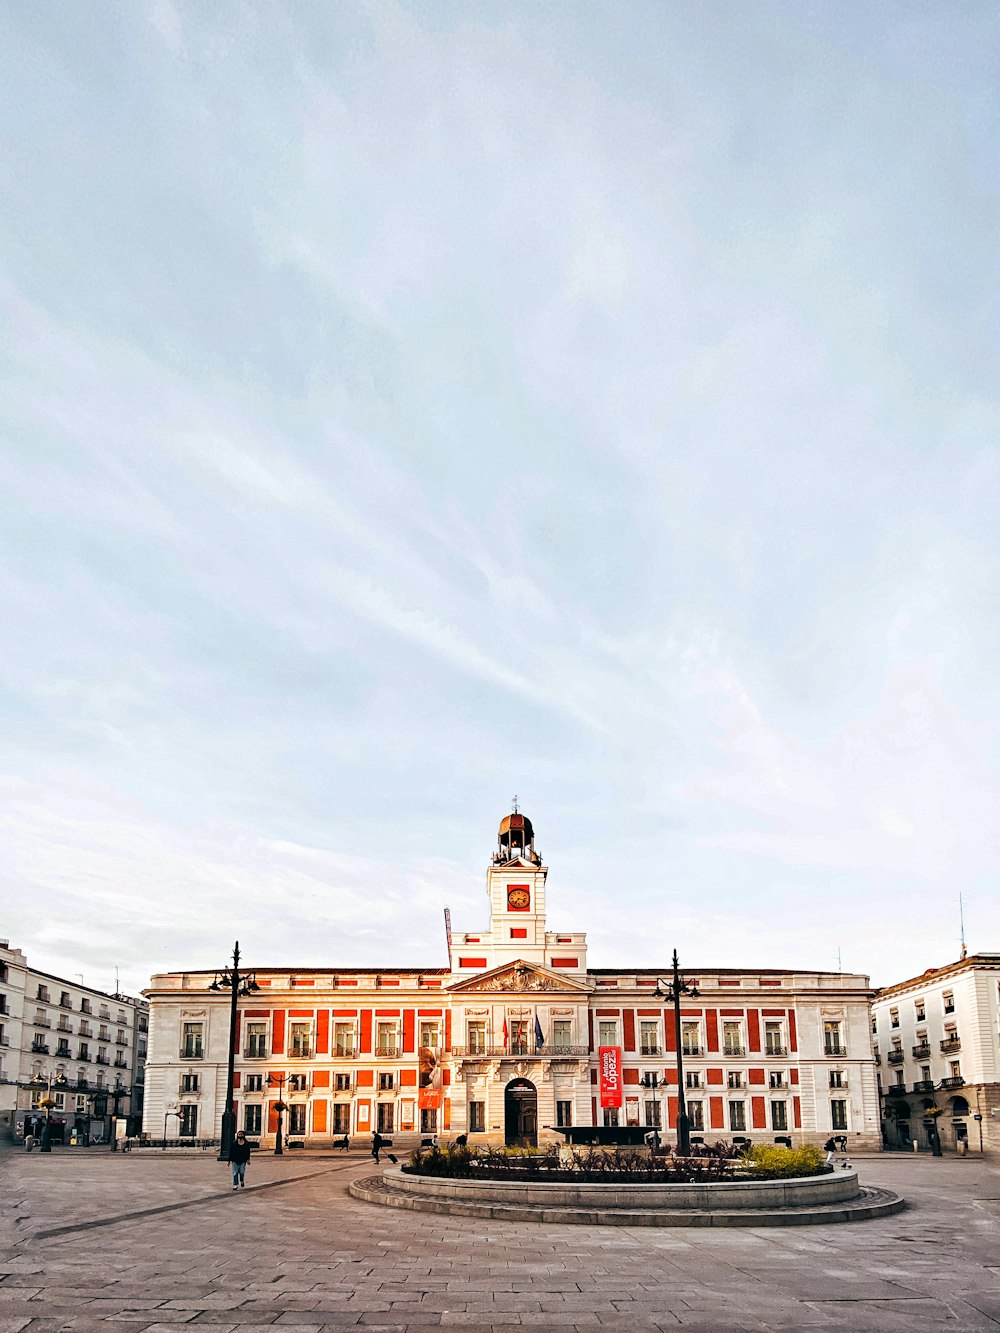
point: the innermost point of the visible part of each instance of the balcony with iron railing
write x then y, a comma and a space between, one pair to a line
648, 1050
734, 1052
955, 1081
39, 1048
924, 1085
517, 1048
689, 1048
922, 1051
896, 1090
895, 1057
773, 1051
951, 1044
833, 1048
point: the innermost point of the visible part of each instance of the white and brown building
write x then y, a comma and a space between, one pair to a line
504, 1042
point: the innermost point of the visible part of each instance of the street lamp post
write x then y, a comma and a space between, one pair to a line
47, 1102
672, 991
237, 984
166, 1114
281, 1106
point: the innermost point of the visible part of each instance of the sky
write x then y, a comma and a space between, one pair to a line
407, 406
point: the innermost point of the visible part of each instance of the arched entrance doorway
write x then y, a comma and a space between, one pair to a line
520, 1107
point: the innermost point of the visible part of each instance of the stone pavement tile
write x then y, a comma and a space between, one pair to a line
13, 1323
9, 1295
986, 1302
164, 1317
480, 1319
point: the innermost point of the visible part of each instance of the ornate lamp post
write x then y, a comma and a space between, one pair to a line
281, 1106
237, 984
672, 991
47, 1102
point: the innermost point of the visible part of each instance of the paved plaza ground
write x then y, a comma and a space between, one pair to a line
94, 1240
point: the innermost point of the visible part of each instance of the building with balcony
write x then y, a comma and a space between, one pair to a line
45, 1043
940, 1035
505, 1042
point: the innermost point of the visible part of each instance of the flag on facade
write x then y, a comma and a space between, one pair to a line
539, 1035
506, 1039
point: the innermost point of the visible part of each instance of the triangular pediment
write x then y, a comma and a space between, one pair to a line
520, 978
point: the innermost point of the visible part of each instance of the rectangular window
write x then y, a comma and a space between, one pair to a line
737, 1115
300, 1040
894, 1018
343, 1039
831, 1038
562, 1034
253, 1082
611, 1116
385, 1082
956, 1068
386, 1039
949, 1002
189, 1082
779, 1115
384, 1117
653, 1113
191, 1041
734, 1079
189, 1120
428, 1120
696, 1115
838, 1114
691, 1038
519, 1036
564, 1113
837, 1078
476, 1037
649, 1040
342, 1082
477, 1117
776, 1079
920, 1009
774, 1039
341, 1117
251, 1118
298, 1082
297, 1118
607, 1032
732, 1038
256, 1042
430, 1035
692, 1078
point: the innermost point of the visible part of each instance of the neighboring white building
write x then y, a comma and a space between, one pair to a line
88, 1047
505, 1042
937, 1040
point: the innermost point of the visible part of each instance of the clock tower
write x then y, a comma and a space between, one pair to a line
515, 885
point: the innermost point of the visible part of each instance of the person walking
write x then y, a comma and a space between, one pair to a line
378, 1143
239, 1155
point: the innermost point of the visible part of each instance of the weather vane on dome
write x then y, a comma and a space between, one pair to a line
514, 803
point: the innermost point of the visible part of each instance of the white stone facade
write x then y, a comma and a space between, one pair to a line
937, 1038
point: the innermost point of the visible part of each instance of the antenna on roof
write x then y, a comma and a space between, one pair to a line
840, 967
447, 933
961, 923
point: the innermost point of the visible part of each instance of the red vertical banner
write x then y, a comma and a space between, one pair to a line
366, 1031
409, 1032
757, 1111
447, 1030
669, 1031
793, 1041
278, 1032
718, 1113
797, 1105
672, 1111
629, 1019
610, 1066
323, 1032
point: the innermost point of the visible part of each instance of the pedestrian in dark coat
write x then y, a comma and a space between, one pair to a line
378, 1143
239, 1155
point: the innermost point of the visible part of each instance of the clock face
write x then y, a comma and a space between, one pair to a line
518, 900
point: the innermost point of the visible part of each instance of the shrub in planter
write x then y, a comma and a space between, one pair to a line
765, 1162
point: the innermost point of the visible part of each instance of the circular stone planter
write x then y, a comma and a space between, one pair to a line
835, 1197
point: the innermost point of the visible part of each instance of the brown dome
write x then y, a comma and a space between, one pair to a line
519, 826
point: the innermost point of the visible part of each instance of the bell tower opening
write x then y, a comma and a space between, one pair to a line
516, 839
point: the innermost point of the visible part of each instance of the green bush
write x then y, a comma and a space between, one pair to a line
778, 1163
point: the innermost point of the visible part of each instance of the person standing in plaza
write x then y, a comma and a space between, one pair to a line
378, 1143
239, 1155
